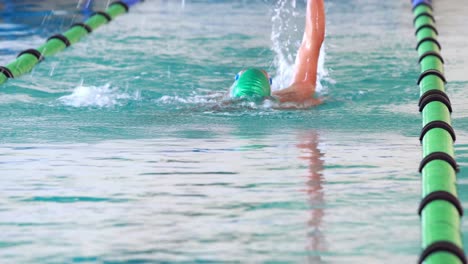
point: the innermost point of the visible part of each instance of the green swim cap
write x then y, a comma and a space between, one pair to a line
251, 83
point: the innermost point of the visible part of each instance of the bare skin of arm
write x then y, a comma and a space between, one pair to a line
302, 89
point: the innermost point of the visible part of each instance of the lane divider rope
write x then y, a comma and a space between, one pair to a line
440, 209
27, 59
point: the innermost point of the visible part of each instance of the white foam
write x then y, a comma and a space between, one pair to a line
103, 96
213, 101
194, 98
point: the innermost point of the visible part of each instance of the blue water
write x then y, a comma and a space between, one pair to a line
122, 149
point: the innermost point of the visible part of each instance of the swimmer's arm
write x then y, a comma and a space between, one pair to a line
303, 87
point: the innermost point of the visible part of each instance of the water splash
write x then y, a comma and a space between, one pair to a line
214, 102
286, 35
194, 98
103, 96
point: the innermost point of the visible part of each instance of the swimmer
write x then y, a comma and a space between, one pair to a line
253, 83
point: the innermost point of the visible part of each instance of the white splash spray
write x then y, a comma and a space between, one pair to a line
103, 96
286, 35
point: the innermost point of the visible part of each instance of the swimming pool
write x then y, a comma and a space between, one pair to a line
118, 150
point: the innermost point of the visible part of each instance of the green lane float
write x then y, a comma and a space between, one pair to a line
440, 208
26, 60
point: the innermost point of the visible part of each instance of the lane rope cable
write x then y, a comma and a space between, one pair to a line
27, 59
440, 209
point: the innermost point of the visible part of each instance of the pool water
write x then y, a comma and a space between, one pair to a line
123, 148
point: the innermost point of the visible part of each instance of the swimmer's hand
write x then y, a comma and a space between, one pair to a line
297, 96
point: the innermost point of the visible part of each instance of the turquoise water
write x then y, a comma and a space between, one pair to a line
122, 149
